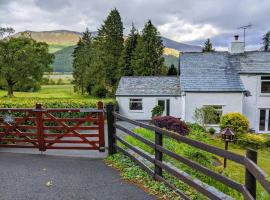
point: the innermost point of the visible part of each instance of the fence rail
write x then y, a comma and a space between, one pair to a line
253, 172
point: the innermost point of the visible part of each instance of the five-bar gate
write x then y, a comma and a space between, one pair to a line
53, 128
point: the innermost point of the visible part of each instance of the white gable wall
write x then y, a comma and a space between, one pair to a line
230, 102
256, 101
148, 104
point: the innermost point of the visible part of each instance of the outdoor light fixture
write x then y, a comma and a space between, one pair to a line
228, 136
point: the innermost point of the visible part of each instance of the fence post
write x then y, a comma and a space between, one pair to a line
250, 180
111, 128
40, 128
158, 154
101, 127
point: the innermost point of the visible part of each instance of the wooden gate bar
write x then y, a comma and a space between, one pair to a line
39, 121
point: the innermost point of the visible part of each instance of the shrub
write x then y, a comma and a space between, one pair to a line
255, 141
212, 131
171, 123
157, 111
100, 91
235, 121
195, 127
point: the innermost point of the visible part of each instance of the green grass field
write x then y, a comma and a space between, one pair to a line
48, 91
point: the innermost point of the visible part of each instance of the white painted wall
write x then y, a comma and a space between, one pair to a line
230, 102
148, 104
252, 104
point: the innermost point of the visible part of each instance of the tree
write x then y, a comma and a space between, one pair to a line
110, 43
6, 31
82, 61
23, 59
148, 56
208, 47
172, 70
126, 68
266, 41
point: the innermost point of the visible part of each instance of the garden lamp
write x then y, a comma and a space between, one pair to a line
228, 136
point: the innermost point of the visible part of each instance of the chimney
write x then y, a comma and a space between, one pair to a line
237, 46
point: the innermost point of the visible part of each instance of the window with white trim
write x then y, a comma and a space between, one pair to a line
264, 121
212, 114
135, 104
265, 84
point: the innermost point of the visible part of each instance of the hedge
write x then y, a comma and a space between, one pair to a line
252, 140
51, 103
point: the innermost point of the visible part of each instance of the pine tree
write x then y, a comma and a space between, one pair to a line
208, 47
266, 41
82, 61
110, 44
172, 70
147, 59
126, 56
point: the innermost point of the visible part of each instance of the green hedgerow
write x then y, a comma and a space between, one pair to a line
235, 121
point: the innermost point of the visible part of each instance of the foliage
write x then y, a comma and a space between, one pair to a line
131, 172
5, 32
23, 60
127, 53
195, 127
212, 131
147, 59
235, 121
99, 91
266, 41
63, 59
208, 47
252, 140
206, 115
171, 123
82, 61
172, 70
157, 111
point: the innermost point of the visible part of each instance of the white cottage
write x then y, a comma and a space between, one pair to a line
235, 81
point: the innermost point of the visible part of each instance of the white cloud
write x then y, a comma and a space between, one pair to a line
183, 31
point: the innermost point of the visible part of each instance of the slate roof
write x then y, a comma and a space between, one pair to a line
149, 86
219, 71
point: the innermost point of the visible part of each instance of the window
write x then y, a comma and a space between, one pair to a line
165, 104
264, 120
265, 84
135, 104
212, 114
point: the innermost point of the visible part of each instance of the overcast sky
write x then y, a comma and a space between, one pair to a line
188, 21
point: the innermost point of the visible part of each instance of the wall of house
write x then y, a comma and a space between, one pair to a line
230, 102
148, 104
253, 103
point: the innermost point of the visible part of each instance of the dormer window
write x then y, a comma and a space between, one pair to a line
265, 84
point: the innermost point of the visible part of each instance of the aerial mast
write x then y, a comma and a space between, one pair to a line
244, 29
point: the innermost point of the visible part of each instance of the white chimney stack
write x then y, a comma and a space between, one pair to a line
237, 46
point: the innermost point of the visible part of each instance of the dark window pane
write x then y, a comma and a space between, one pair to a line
269, 120
262, 120
135, 104
265, 77
161, 103
168, 107
265, 87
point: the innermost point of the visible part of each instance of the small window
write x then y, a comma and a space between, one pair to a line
265, 84
135, 104
212, 114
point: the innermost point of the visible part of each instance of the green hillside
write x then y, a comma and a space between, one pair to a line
63, 59
169, 60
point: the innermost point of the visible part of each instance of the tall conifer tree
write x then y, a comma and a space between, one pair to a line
208, 47
266, 41
147, 59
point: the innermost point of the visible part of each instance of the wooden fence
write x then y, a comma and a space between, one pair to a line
253, 173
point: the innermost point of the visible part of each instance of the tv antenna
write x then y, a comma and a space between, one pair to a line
244, 29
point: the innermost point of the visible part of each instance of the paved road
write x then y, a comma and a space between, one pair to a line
24, 177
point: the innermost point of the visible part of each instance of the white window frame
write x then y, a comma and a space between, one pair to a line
130, 101
266, 128
261, 93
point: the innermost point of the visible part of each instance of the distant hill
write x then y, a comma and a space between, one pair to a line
63, 42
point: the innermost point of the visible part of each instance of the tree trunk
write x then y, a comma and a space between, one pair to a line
10, 85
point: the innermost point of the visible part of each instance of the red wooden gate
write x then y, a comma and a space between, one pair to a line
53, 128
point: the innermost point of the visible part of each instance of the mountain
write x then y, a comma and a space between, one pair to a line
63, 42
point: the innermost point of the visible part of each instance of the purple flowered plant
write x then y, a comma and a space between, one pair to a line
171, 123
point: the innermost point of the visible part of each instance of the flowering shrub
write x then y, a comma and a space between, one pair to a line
235, 121
171, 123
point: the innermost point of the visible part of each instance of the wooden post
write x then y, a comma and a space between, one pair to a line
40, 128
225, 159
101, 127
158, 154
111, 128
250, 180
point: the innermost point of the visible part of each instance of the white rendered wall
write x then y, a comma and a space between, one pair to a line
253, 103
148, 104
230, 102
